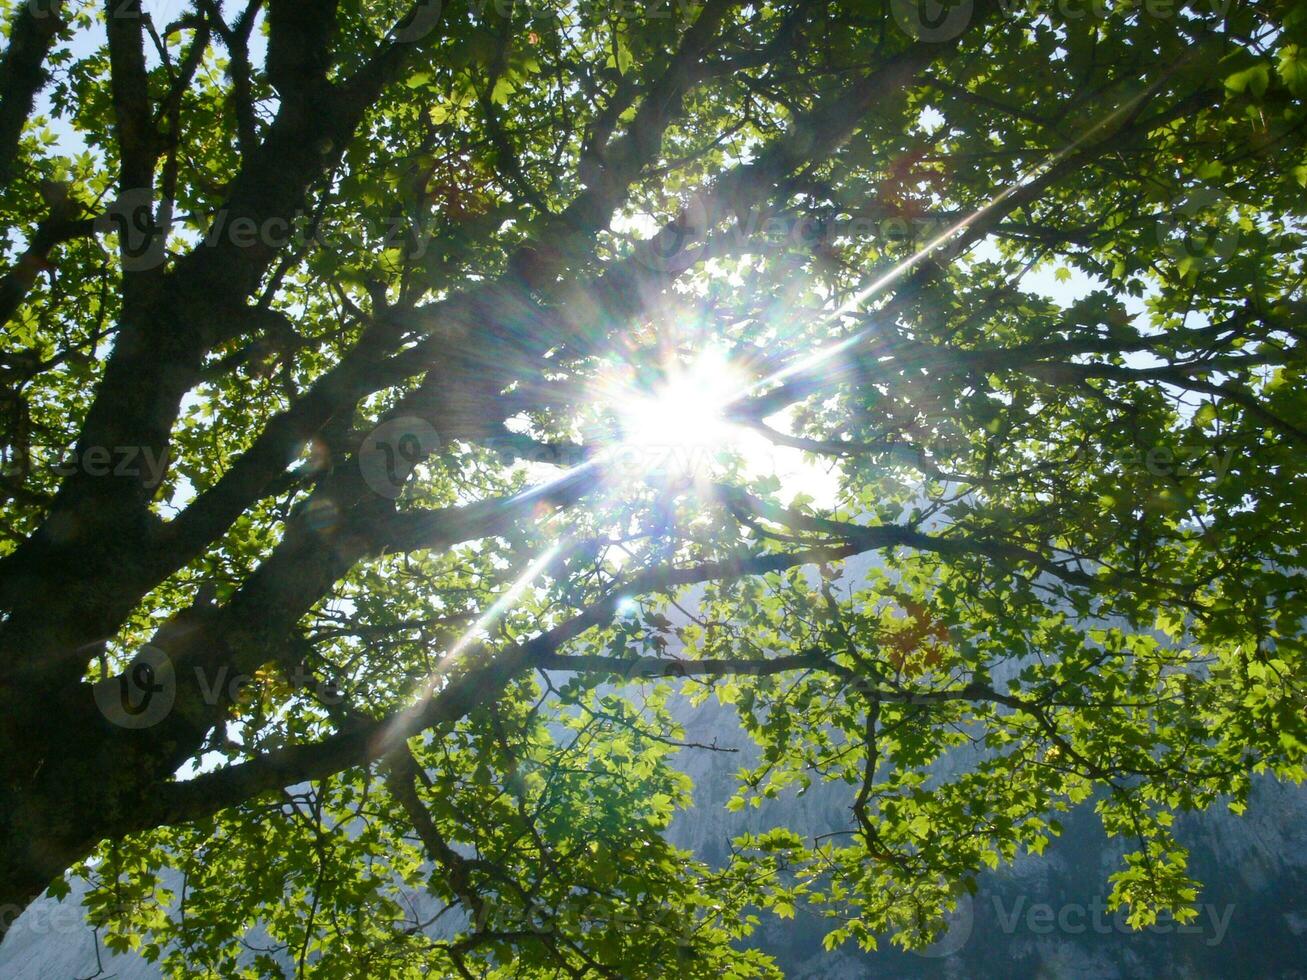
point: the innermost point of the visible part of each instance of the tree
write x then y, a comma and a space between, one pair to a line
332, 564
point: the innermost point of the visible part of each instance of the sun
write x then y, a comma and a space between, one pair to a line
687, 407
677, 429
679, 424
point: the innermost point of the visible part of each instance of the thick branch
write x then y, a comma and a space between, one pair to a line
22, 72
477, 680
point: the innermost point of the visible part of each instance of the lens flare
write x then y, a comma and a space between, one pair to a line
400, 727
686, 413
679, 424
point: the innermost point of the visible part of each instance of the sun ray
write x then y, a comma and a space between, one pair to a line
905, 265
396, 730
691, 406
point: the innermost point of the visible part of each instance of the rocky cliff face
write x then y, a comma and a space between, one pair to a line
1043, 917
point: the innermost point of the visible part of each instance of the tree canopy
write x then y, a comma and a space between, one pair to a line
407, 408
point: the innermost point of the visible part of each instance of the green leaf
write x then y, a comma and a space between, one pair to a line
1292, 68
1253, 80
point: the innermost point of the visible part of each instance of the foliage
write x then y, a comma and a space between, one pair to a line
322, 323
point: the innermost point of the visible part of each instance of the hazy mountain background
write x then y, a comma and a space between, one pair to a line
1043, 917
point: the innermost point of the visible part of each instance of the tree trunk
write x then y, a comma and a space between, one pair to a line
30, 856
61, 786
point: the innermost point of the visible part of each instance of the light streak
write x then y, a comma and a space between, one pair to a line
907, 264
394, 731
398, 727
